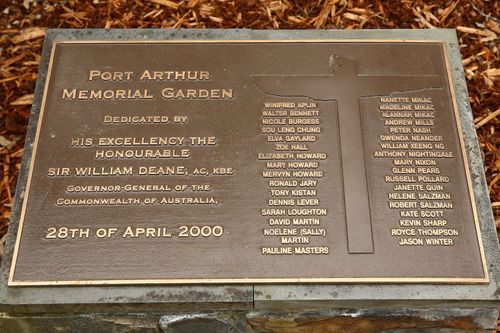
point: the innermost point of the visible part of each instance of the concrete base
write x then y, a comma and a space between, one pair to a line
319, 321
324, 308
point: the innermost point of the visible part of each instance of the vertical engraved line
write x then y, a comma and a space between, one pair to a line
466, 161
32, 163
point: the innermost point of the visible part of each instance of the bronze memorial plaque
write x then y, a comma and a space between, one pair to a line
248, 162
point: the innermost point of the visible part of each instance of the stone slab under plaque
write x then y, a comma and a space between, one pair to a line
275, 161
238, 170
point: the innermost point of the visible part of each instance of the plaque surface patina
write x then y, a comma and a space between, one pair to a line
248, 161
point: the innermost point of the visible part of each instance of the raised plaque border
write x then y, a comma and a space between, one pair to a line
409, 280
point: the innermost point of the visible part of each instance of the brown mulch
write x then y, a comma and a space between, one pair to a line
23, 23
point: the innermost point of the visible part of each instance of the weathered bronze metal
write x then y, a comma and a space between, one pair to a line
248, 162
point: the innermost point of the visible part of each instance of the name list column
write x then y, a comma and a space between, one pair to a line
420, 191
292, 170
